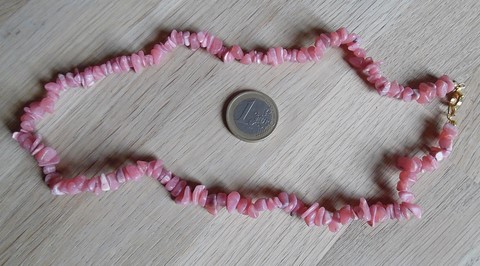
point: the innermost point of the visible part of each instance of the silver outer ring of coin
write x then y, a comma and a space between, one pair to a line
231, 111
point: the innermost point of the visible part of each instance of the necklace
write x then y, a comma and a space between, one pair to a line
184, 194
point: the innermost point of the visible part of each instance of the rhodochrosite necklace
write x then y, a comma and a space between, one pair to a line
186, 194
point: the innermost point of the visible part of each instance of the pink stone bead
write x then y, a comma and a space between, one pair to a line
49, 169
413, 165
342, 35
165, 176
194, 42
427, 92
394, 89
215, 46
90, 184
406, 196
211, 204
257, 57
365, 210
272, 57
123, 62
206, 41
53, 179
143, 167
27, 140
61, 80
132, 172
446, 142
405, 213
407, 94
389, 209
237, 52
75, 185
299, 208
312, 53
157, 54
136, 63
228, 57
293, 57
292, 203
88, 77
383, 87
450, 85
28, 125
319, 216
325, 39
52, 86
356, 62
450, 129
112, 181
246, 59
196, 194
178, 189
305, 52
271, 205
439, 153
408, 177
373, 213
345, 214
104, 185
186, 38
413, 208
260, 205
172, 183
360, 52
441, 88
169, 44
301, 57
202, 199
312, 208
318, 53
232, 201
334, 226
429, 163
120, 176
265, 60
154, 168
352, 37
381, 214
242, 205
404, 185
185, 197
353, 46
327, 218
283, 197
334, 39
310, 218
69, 78
47, 156
397, 211
97, 74
221, 200
177, 37
279, 51
252, 212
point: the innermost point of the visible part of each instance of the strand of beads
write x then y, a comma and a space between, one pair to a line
47, 157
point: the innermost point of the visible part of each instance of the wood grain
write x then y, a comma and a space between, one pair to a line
336, 139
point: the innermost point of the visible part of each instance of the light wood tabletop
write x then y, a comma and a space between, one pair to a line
336, 138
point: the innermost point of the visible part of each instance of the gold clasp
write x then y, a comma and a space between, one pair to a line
456, 98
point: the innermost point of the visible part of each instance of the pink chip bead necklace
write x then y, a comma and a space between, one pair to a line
186, 194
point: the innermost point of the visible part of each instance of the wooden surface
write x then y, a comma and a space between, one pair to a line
335, 141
